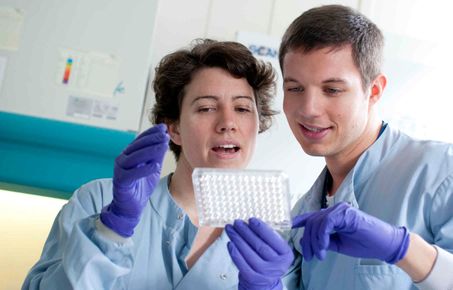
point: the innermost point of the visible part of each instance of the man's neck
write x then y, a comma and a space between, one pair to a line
340, 165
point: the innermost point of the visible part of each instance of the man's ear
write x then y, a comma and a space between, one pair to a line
173, 131
377, 88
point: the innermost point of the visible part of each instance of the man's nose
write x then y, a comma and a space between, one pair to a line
310, 105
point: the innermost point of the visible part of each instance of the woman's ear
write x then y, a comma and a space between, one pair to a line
173, 131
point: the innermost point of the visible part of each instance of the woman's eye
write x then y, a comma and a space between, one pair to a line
243, 109
206, 109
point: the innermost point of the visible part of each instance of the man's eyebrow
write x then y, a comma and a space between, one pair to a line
334, 80
289, 79
331, 80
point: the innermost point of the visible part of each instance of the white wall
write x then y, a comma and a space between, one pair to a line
418, 63
25, 223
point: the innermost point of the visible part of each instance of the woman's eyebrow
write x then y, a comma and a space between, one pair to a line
214, 98
251, 99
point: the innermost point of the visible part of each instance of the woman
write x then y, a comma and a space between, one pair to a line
138, 232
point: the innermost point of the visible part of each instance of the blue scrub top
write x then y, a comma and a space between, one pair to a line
399, 180
77, 256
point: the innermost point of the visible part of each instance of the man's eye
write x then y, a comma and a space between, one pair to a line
333, 91
295, 89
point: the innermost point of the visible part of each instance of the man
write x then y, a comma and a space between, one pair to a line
380, 215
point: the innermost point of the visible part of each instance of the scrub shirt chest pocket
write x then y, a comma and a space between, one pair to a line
374, 274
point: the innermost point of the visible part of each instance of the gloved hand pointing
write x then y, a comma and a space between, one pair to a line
261, 255
136, 173
347, 230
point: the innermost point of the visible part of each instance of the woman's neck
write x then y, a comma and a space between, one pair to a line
181, 189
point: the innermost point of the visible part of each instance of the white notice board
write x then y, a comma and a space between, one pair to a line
84, 61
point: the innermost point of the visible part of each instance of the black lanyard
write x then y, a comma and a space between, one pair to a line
328, 180
325, 189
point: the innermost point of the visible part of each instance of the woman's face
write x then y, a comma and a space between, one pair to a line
218, 124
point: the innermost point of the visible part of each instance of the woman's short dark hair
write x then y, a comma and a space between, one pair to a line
175, 72
336, 26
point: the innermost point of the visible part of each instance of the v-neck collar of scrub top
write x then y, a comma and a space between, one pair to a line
368, 162
165, 206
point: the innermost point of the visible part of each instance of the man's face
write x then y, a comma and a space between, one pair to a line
324, 101
218, 124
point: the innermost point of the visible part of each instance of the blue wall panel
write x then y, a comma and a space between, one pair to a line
55, 157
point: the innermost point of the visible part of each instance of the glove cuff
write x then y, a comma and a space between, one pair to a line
402, 250
247, 286
124, 226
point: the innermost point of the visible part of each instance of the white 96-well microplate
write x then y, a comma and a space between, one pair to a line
223, 195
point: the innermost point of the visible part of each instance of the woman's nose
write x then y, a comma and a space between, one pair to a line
226, 122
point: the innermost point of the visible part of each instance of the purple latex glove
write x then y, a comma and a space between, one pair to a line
349, 231
261, 254
136, 173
